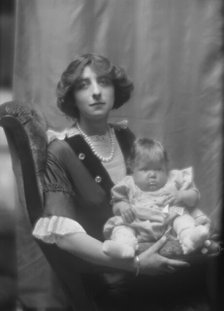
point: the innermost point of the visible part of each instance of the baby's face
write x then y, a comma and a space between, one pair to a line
150, 176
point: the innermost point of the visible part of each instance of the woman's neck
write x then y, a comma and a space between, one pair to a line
94, 127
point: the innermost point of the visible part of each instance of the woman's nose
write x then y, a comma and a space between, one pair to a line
96, 91
97, 96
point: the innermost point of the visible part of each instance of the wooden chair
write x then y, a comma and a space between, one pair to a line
27, 141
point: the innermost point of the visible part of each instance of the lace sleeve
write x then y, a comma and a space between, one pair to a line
59, 199
50, 229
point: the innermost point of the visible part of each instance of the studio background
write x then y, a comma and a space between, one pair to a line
171, 49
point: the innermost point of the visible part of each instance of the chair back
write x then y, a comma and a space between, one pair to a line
26, 136
27, 145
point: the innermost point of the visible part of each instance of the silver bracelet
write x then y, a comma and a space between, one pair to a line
137, 264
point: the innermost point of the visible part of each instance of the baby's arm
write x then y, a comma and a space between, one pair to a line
187, 197
200, 217
120, 201
192, 196
123, 209
186, 193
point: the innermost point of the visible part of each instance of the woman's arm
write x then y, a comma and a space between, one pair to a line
90, 249
59, 202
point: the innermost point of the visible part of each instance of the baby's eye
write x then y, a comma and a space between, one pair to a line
144, 169
159, 169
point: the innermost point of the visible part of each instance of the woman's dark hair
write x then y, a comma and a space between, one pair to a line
147, 147
65, 88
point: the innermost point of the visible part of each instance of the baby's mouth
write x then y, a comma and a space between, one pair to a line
152, 183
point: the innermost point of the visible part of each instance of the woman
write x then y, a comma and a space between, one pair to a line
81, 169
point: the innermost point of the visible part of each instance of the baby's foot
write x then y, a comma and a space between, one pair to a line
118, 250
193, 238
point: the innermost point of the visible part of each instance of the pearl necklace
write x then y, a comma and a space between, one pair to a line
89, 142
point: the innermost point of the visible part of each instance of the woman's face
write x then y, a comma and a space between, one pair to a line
94, 95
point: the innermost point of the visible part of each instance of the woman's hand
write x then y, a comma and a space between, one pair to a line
151, 263
211, 248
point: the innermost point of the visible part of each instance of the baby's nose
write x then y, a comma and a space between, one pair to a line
152, 173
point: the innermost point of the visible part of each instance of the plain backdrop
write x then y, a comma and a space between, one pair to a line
171, 49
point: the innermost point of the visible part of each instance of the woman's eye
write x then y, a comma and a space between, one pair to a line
104, 81
81, 85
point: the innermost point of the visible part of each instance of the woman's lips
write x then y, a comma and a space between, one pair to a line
97, 104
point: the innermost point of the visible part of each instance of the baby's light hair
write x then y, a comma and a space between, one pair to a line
147, 147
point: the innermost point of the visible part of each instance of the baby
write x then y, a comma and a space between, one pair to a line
151, 201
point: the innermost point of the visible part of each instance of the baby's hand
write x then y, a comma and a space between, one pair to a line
172, 198
128, 215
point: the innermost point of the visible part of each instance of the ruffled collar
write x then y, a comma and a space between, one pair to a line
70, 132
